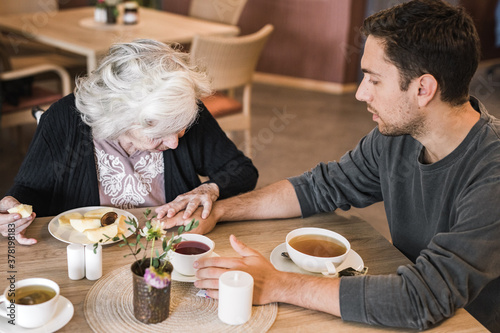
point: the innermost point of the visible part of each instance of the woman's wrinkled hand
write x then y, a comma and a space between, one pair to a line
14, 224
205, 225
204, 195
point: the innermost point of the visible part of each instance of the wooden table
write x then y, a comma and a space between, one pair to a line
74, 30
48, 259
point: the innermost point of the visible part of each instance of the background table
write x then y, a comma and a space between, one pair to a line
73, 30
48, 259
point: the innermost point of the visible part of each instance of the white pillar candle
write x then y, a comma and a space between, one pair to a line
235, 297
93, 262
76, 261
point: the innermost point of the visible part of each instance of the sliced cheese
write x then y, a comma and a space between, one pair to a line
84, 224
122, 226
95, 235
24, 210
66, 217
97, 213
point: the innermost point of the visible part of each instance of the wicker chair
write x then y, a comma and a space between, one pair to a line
230, 63
24, 52
15, 105
222, 11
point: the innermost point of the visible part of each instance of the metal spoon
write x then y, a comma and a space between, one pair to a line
285, 255
108, 218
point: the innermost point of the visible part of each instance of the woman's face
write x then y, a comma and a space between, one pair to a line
135, 140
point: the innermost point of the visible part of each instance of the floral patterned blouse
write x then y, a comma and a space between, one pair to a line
128, 181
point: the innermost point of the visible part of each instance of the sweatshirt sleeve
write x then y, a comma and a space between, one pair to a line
459, 268
353, 181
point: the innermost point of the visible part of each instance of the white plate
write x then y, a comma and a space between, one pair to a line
287, 265
66, 233
176, 276
64, 313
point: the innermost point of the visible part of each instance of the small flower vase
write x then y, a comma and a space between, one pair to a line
111, 14
151, 305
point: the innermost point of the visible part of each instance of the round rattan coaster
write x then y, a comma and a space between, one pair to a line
108, 308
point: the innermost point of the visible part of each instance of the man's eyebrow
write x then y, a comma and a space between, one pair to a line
367, 71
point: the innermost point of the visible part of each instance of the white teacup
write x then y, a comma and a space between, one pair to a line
315, 263
183, 263
28, 316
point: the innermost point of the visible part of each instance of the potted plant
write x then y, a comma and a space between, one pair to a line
151, 275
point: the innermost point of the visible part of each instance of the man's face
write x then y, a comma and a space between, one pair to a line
395, 111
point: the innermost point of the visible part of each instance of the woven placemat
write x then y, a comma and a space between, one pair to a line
109, 307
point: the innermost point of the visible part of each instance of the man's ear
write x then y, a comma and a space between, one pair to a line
427, 89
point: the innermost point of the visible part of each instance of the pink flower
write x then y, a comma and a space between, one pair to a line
156, 279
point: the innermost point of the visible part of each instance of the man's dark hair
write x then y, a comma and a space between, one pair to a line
429, 37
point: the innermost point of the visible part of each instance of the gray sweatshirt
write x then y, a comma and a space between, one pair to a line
445, 217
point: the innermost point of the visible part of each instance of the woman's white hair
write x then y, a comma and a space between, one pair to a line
144, 85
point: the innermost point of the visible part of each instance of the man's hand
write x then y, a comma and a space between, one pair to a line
204, 195
14, 221
266, 277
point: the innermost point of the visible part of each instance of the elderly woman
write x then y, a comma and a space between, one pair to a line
133, 134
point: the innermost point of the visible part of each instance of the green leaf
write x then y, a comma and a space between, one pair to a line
116, 238
121, 245
196, 224
148, 224
139, 250
177, 240
131, 244
147, 212
180, 230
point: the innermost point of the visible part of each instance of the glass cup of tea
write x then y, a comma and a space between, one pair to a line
30, 303
317, 250
191, 248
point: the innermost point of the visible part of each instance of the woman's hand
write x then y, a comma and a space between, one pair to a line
14, 224
205, 225
204, 195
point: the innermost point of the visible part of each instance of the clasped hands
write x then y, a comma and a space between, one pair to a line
196, 203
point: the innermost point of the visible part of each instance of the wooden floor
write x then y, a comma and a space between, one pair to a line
292, 131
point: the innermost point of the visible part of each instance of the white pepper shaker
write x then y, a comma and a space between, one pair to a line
76, 261
93, 262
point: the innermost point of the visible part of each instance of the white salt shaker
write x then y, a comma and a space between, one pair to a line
76, 261
93, 262
235, 297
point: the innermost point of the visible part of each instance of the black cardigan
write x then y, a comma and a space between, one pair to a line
59, 171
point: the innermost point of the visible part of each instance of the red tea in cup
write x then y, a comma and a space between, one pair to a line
191, 247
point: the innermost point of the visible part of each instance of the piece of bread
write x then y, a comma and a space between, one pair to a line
24, 210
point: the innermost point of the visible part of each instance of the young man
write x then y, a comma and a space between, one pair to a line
434, 159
